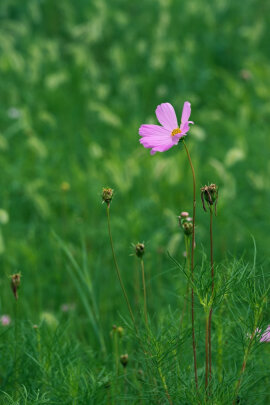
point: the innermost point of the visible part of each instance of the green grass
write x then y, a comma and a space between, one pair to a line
76, 82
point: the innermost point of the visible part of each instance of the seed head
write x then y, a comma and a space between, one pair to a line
124, 360
15, 284
139, 249
107, 195
210, 195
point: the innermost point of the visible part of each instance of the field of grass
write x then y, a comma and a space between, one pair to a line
77, 79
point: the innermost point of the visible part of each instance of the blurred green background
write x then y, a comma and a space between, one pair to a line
77, 79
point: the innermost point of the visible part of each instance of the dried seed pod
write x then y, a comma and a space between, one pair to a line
210, 195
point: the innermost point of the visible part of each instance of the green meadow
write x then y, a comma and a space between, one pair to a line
77, 80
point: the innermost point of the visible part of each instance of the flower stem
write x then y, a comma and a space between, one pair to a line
206, 350
118, 271
16, 347
116, 351
192, 265
211, 309
144, 295
187, 245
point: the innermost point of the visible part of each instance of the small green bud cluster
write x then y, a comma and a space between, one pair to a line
186, 223
107, 195
139, 250
210, 195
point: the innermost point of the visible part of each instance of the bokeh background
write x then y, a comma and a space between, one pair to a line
77, 79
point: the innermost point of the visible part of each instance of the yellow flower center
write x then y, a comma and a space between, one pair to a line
176, 131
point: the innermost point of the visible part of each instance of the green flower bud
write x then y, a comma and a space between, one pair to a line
187, 228
107, 195
120, 331
124, 360
139, 249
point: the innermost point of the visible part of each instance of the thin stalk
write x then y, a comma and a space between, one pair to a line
116, 351
211, 309
206, 350
144, 295
125, 381
16, 347
247, 351
118, 271
187, 245
165, 385
136, 287
192, 266
220, 342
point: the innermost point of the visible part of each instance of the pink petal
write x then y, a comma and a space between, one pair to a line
186, 112
152, 142
156, 137
266, 335
166, 115
161, 148
154, 130
185, 127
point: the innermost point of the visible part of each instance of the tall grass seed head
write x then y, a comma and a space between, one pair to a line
107, 195
161, 138
15, 284
210, 195
139, 249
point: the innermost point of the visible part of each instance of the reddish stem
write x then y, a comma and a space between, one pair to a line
192, 266
211, 310
206, 351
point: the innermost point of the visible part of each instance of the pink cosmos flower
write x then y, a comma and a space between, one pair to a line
161, 138
266, 335
5, 320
